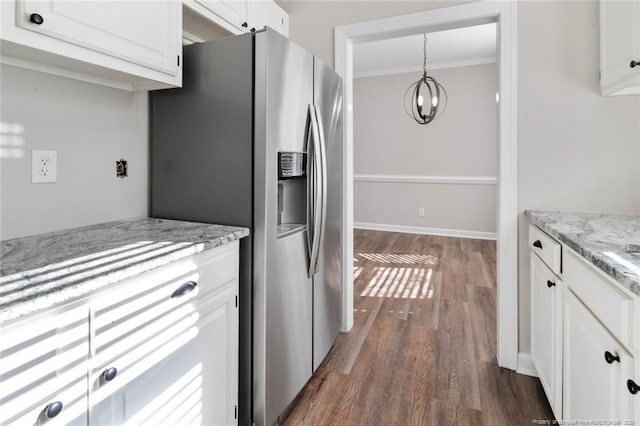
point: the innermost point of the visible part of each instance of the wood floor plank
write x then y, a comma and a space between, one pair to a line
457, 376
425, 309
477, 271
454, 279
482, 308
422, 350
445, 413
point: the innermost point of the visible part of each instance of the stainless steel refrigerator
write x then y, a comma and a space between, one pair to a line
254, 139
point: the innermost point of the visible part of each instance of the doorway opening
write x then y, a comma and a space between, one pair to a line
503, 14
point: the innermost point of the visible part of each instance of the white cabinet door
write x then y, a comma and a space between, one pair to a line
141, 32
619, 46
266, 13
192, 379
596, 368
546, 331
232, 11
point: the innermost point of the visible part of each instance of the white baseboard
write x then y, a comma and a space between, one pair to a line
525, 364
459, 233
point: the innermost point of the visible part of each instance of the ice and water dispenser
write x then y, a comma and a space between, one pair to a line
292, 192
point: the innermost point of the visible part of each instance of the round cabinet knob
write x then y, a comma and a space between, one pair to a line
550, 284
634, 64
538, 244
53, 409
245, 25
253, 30
109, 374
35, 18
611, 358
633, 387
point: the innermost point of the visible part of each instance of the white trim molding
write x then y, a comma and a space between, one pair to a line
435, 66
504, 13
458, 233
450, 180
526, 365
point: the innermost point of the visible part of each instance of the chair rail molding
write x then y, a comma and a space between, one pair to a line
504, 13
446, 180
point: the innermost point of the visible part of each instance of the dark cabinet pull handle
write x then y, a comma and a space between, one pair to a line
53, 409
185, 288
109, 374
35, 18
253, 29
611, 358
537, 243
634, 64
633, 387
245, 25
550, 284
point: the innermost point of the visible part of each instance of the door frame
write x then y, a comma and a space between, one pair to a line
505, 15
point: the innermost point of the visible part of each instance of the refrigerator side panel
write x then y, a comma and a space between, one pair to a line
202, 137
284, 89
327, 283
201, 160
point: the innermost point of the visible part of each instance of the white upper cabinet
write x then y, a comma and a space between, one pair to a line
266, 13
233, 16
229, 14
129, 44
620, 47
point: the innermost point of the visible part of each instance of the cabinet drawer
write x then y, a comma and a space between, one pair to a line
142, 308
548, 249
611, 306
44, 360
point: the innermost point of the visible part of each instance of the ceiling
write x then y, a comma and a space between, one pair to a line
445, 49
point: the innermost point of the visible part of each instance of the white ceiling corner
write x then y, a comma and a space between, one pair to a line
445, 49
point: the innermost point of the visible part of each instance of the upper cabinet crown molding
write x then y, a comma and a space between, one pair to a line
619, 47
128, 45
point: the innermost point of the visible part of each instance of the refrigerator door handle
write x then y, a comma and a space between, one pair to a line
315, 181
323, 177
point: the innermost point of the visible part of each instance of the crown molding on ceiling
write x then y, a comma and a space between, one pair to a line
436, 66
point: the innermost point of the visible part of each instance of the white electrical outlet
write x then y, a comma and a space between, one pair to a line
420, 212
44, 166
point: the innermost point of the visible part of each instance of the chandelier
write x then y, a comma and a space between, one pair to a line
426, 88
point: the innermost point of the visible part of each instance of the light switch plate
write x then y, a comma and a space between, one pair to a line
44, 166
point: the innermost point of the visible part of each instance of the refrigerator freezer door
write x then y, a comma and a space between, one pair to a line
282, 290
327, 282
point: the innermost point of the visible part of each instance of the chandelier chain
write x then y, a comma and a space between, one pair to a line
424, 49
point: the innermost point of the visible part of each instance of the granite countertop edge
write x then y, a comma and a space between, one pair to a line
625, 271
169, 241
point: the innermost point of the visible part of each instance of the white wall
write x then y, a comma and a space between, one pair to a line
461, 142
577, 150
90, 127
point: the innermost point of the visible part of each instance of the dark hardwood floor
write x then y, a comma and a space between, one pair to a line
422, 350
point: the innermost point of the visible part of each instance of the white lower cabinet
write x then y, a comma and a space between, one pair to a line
159, 348
546, 336
596, 368
583, 337
190, 379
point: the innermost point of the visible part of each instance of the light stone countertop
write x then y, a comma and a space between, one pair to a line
43, 271
605, 240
